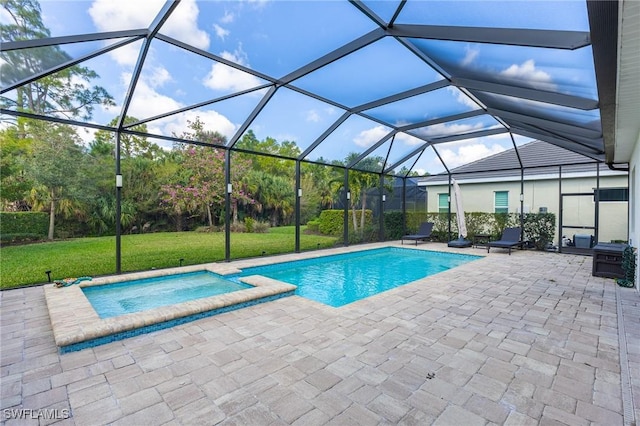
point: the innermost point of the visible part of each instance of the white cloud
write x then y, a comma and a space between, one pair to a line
313, 116
5, 17
457, 156
527, 71
114, 15
159, 76
147, 102
220, 32
462, 98
212, 120
444, 129
410, 140
87, 134
470, 56
366, 138
228, 18
223, 77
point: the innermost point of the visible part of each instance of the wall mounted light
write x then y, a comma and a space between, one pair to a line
118, 181
521, 197
299, 192
384, 198
229, 188
348, 195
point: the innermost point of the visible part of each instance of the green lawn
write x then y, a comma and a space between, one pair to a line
26, 264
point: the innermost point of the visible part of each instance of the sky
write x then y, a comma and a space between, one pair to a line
276, 37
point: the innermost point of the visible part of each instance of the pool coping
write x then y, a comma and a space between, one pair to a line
74, 321
76, 325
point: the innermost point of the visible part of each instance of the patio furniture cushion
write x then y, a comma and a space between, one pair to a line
424, 233
510, 238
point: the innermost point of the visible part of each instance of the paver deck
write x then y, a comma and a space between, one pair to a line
530, 338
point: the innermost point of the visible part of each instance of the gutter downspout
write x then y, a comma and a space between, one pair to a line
621, 169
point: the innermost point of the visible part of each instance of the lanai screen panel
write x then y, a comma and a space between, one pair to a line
397, 66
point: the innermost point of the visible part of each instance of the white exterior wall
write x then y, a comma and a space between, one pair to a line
634, 204
579, 211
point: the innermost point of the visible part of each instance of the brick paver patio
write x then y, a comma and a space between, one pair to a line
530, 338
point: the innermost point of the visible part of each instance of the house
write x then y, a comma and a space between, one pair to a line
495, 184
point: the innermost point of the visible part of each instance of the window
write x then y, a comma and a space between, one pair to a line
612, 194
443, 203
501, 201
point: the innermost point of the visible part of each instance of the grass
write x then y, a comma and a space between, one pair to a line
26, 264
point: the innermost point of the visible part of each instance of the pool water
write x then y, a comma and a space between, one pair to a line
341, 279
111, 300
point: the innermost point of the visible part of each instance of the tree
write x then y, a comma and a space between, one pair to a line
200, 183
130, 145
56, 167
360, 182
14, 183
66, 92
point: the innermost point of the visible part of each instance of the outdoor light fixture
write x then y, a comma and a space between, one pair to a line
348, 195
118, 181
48, 275
299, 192
229, 188
181, 260
521, 197
448, 198
384, 198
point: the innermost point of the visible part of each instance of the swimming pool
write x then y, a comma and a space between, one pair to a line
111, 300
341, 279
77, 325
335, 280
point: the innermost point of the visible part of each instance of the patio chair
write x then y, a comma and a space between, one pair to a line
424, 233
510, 238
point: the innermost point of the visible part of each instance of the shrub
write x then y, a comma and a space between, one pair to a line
18, 227
393, 225
331, 221
238, 227
206, 229
19, 238
313, 225
248, 223
539, 228
261, 227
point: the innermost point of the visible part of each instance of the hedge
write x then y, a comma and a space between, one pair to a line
539, 228
331, 221
23, 226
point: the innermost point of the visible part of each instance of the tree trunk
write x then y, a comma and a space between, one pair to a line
234, 210
209, 215
52, 216
179, 222
364, 206
353, 216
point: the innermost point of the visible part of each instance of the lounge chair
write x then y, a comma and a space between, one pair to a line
510, 238
424, 233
